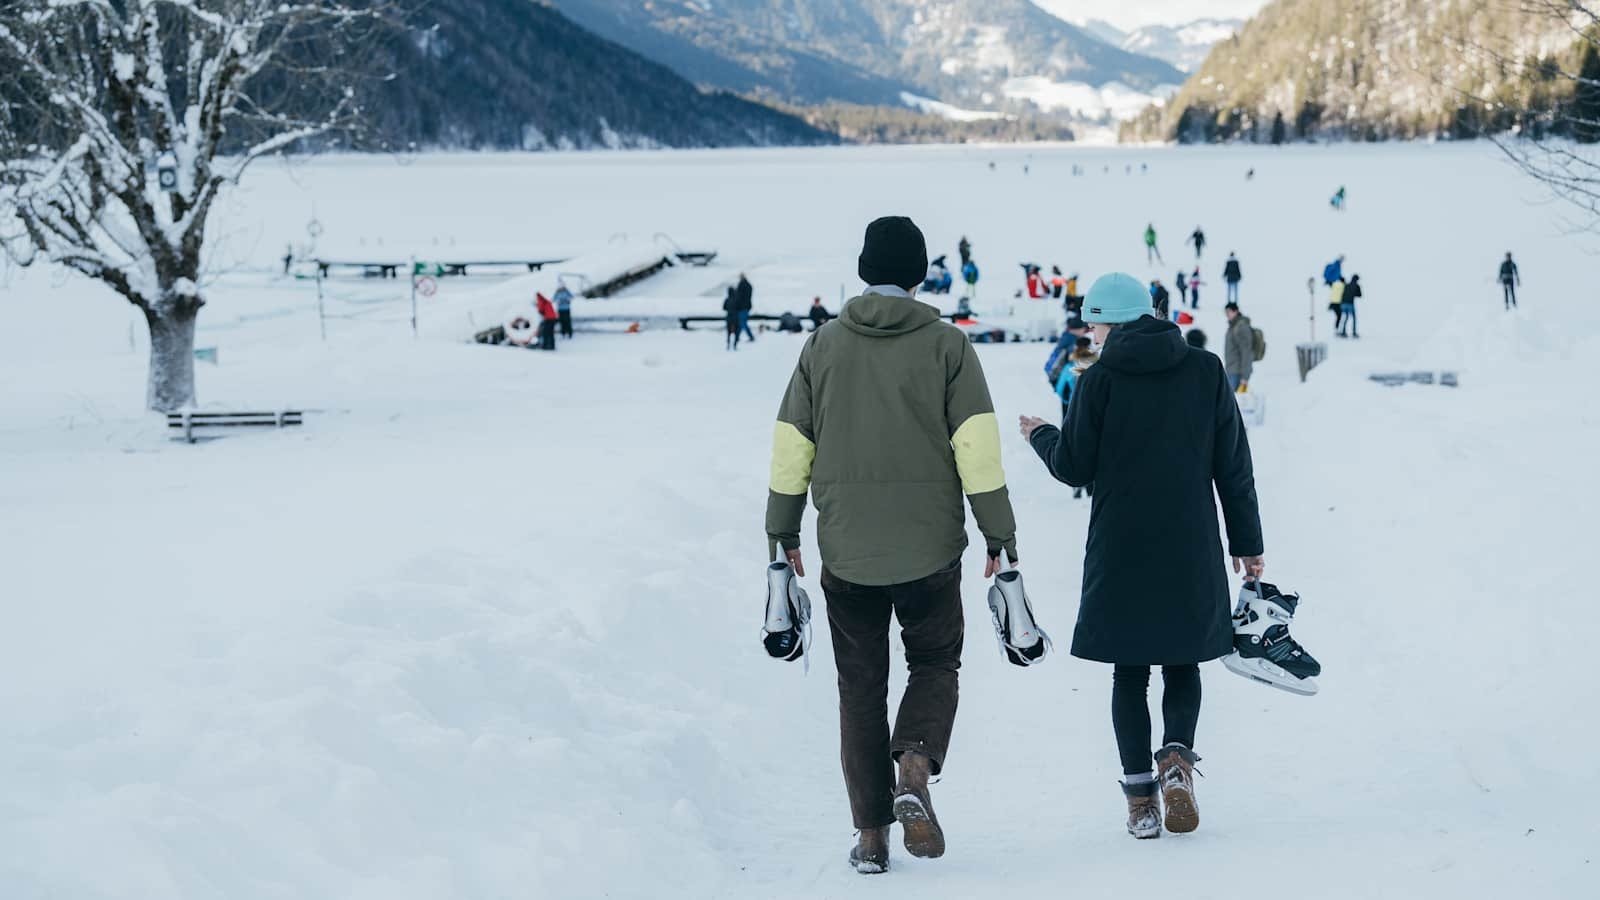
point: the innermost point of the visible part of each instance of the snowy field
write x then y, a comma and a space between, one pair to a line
486, 626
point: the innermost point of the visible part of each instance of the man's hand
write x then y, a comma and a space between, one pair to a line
1029, 424
1253, 566
800, 566
991, 566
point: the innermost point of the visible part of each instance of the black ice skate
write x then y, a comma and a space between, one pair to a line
1262, 648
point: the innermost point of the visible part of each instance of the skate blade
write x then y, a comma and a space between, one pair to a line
923, 836
1270, 674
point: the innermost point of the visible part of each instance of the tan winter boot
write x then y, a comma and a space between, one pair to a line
1175, 773
870, 855
914, 809
1144, 810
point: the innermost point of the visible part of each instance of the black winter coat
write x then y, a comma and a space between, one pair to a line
745, 295
1153, 427
1230, 272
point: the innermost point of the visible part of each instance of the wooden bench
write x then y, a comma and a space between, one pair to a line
189, 422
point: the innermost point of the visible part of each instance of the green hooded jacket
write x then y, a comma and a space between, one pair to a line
887, 421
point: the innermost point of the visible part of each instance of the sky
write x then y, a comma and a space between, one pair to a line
1127, 14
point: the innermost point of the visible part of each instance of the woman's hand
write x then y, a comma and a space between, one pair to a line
1028, 425
1253, 566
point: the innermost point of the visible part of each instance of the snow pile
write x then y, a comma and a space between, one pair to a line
945, 110
1112, 100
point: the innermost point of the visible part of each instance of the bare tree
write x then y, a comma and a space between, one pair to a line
122, 120
1559, 147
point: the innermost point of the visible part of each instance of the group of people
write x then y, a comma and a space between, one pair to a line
1152, 252
740, 301
1342, 296
888, 421
554, 313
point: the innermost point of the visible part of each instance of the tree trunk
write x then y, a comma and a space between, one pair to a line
171, 355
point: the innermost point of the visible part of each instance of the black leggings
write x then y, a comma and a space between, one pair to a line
1130, 711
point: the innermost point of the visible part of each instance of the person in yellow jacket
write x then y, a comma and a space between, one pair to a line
1336, 302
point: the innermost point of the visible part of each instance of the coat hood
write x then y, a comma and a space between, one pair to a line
879, 315
1143, 346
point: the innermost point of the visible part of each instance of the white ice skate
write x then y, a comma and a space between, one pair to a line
1021, 639
1262, 648
787, 631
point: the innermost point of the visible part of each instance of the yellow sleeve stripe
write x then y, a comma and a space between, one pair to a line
792, 453
977, 446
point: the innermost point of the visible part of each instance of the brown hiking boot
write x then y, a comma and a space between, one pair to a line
870, 855
1175, 773
1144, 810
914, 809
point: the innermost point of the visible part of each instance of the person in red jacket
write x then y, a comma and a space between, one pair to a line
547, 322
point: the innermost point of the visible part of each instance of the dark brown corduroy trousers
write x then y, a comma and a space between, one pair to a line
931, 627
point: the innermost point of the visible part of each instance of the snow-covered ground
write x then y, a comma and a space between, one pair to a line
486, 626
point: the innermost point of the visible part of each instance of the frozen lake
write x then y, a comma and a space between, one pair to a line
487, 625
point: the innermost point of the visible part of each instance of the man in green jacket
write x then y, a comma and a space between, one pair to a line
887, 422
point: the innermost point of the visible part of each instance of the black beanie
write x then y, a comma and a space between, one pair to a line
894, 252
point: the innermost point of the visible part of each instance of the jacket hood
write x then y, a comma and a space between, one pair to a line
879, 315
1143, 346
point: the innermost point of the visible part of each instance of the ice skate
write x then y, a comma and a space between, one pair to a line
913, 808
1144, 810
870, 855
786, 632
1175, 773
1021, 639
1263, 649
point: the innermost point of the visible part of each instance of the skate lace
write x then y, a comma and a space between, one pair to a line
1281, 647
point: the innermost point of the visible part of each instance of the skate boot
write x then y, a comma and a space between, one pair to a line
1175, 773
913, 808
1263, 649
1144, 810
870, 855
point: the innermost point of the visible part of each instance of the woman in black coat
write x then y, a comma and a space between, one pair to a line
1154, 426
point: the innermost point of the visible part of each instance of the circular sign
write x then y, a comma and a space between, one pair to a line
314, 228
426, 285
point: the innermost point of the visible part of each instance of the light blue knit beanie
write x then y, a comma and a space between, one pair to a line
1116, 298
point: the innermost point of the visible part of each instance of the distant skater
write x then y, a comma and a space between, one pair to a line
745, 294
1198, 239
1510, 280
965, 247
1347, 306
1194, 288
547, 322
1232, 275
1152, 253
730, 310
819, 314
1337, 201
563, 300
1336, 303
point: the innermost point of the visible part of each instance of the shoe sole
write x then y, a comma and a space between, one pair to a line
1182, 815
923, 836
867, 867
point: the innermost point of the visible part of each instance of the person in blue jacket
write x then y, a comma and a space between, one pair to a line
1333, 271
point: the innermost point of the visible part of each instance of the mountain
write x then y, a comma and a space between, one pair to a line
991, 55
1371, 70
518, 74
1184, 46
